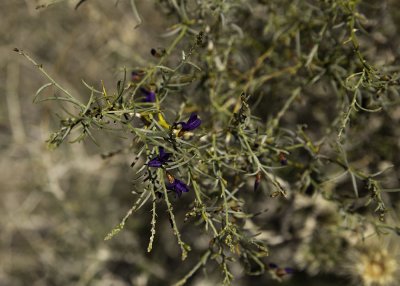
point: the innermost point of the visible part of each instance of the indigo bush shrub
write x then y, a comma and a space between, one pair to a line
265, 133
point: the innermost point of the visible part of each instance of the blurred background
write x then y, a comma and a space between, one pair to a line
57, 206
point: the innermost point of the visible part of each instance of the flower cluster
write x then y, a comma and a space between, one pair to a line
163, 157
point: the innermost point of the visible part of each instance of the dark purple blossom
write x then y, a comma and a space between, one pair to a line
149, 95
160, 159
176, 185
192, 123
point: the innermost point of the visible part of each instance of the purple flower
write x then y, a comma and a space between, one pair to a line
192, 123
150, 96
176, 185
160, 159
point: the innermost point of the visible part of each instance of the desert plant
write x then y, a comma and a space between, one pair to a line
255, 115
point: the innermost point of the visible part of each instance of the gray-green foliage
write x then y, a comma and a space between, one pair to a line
297, 96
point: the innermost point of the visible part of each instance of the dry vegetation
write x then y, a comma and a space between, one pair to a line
57, 206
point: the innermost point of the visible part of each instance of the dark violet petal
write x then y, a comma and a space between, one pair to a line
191, 126
160, 159
178, 187
155, 162
161, 152
193, 117
194, 124
185, 126
181, 186
193, 121
150, 96
164, 156
170, 187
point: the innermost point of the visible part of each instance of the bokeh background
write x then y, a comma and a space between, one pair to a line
57, 206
